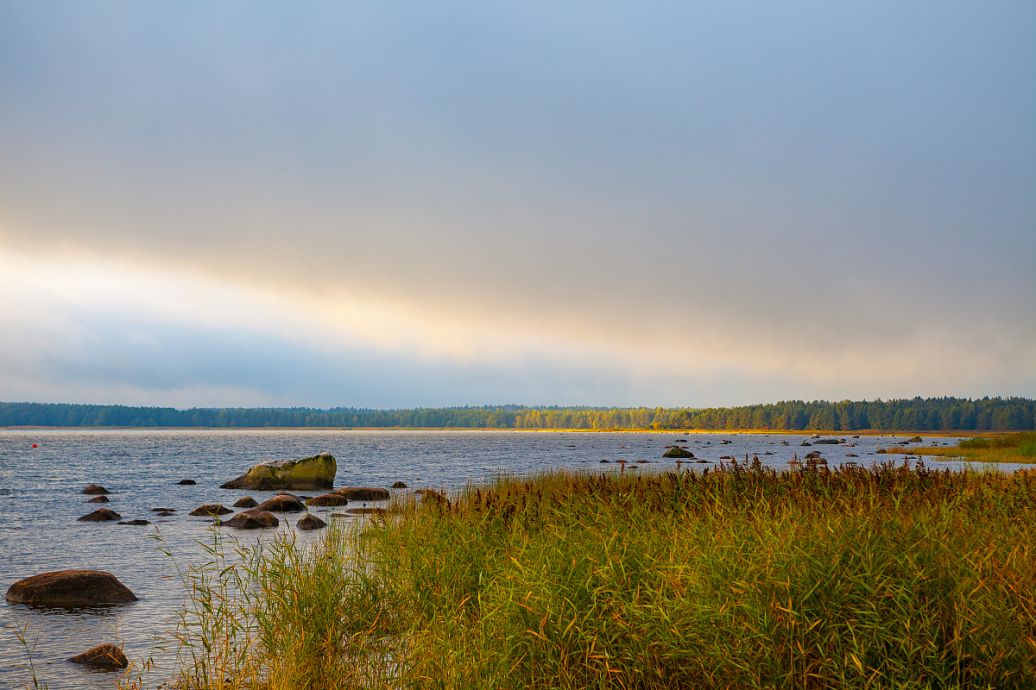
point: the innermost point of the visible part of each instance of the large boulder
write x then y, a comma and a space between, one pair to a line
70, 588
106, 657
283, 503
252, 519
677, 452
316, 472
363, 493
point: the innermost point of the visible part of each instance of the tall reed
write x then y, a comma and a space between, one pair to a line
740, 577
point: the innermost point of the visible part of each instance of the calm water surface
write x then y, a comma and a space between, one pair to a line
40, 490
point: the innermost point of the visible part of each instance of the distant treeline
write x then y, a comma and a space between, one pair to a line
917, 414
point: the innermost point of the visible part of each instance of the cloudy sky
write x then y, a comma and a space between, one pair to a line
396, 204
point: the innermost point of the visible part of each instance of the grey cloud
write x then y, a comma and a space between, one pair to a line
819, 179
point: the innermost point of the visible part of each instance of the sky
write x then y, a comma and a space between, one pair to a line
448, 203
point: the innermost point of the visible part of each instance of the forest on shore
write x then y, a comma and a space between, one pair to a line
915, 414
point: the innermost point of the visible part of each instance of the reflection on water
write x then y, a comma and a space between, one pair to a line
41, 499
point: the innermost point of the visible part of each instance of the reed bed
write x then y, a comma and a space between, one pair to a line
739, 577
1012, 448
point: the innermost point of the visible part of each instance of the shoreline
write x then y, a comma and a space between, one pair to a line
732, 432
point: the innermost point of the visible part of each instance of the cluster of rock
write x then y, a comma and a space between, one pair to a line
75, 589
92, 588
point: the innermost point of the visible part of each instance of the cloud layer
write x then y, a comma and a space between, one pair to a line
250, 204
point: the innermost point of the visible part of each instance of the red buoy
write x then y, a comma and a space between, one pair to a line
35, 446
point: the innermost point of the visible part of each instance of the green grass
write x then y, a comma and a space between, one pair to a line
739, 578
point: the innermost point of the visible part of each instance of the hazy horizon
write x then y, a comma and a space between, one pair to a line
254, 204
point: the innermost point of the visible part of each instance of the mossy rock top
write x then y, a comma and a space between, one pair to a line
316, 472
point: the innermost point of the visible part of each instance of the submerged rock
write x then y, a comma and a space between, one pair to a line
163, 510
399, 485
316, 472
137, 522
186, 482
252, 519
309, 521
99, 499
430, 496
211, 509
828, 441
103, 656
282, 503
677, 452
328, 500
366, 511
100, 515
70, 588
363, 493
246, 502
95, 490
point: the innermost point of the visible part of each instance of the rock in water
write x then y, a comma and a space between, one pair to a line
70, 588
95, 490
252, 519
366, 511
103, 656
363, 493
211, 509
99, 499
284, 503
100, 515
246, 502
136, 523
317, 472
399, 485
310, 521
677, 452
186, 482
328, 500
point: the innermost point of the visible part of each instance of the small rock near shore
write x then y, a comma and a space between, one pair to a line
310, 521
103, 656
137, 523
186, 482
69, 589
100, 515
677, 452
252, 519
363, 493
246, 502
99, 499
211, 509
95, 490
282, 503
366, 511
399, 485
328, 500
